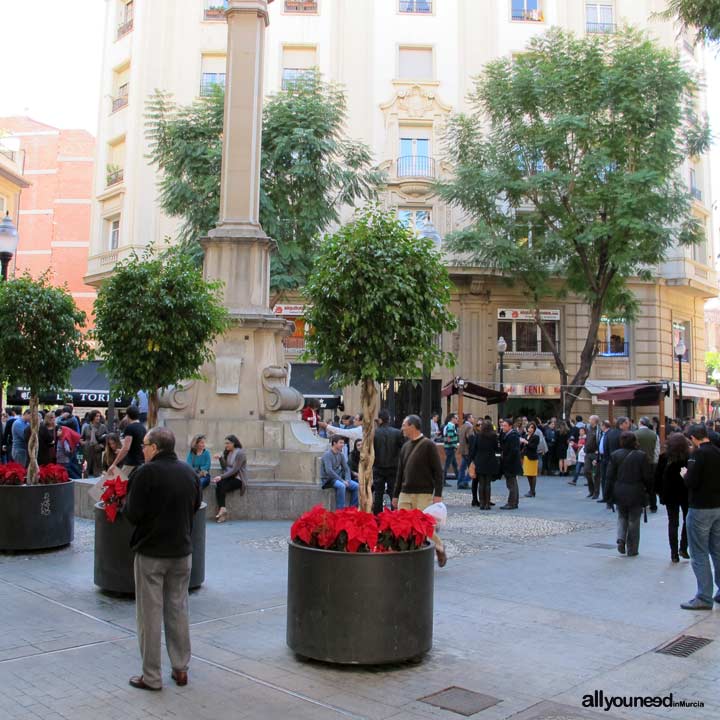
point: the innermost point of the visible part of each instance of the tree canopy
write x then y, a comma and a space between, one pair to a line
699, 16
568, 169
155, 321
378, 302
310, 169
41, 341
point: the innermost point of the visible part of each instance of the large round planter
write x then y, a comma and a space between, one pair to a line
36, 517
360, 608
114, 559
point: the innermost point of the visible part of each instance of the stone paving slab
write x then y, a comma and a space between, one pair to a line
524, 612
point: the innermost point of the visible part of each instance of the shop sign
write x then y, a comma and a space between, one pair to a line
533, 390
289, 310
519, 314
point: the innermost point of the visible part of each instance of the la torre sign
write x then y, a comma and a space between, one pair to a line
79, 398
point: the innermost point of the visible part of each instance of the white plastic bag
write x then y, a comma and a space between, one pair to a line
438, 511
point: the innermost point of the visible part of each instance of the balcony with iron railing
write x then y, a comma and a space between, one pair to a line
119, 102
114, 177
527, 15
416, 166
215, 10
614, 348
301, 6
124, 28
420, 7
600, 27
294, 344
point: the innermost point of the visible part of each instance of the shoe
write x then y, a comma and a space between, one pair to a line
621, 546
589, 495
222, 517
487, 507
674, 557
696, 604
492, 504
684, 554
529, 494
475, 503
180, 677
632, 554
653, 509
572, 483
137, 682
441, 557
508, 507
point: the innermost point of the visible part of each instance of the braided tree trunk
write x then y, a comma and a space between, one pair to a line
369, 401
33, 442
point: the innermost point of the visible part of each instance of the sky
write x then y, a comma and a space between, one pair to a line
51, 55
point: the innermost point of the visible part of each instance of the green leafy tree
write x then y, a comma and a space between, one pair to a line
568, 168
712, 364
699, 16
309, 169
379, 299
41, 341
155, 322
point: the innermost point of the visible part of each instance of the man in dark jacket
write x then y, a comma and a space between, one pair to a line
702, 478
12, 412
163, 496
419, 480
511, 463
591, 469
386, 444
610, 445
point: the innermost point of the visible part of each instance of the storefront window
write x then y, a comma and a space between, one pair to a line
612, 338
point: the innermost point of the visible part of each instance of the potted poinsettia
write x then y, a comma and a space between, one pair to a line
347, 566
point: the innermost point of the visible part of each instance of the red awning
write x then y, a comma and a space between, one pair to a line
644, 394
475, 392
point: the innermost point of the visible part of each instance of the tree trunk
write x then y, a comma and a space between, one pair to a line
33, 442
369, 402
587, 357
153, 405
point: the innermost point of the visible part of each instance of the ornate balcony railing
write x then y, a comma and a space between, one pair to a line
528, 15
301, 6
294, 344
115, 177
119, 102
601, 28
416, 6
215, 10
416, 166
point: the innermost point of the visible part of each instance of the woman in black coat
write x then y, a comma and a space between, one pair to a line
673, 492
484, 465
628, 486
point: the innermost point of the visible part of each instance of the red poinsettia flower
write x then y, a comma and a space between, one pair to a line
12, 473
52, 473
404, 529
358, 531
113, 496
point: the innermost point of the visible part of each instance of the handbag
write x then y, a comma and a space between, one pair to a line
571, 457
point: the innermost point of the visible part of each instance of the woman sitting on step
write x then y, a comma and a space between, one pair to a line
234, 464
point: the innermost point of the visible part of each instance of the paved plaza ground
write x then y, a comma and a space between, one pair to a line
527, 612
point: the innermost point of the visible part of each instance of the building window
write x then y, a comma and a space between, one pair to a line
695, 191
527, 10
415, 63
298, 63
113, 226
210, 81
125, 18
599, 18
215, 9
612, 339
522, 333
682, 330
116, 162
414, 158
416, 7
212, 73
414, 218
121, 88
301, 6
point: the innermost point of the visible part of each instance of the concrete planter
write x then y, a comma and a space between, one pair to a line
114, 559
360, 608
36, 517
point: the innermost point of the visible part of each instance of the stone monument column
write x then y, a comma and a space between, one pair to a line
245, 391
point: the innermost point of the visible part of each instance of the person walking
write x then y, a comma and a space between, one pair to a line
510, 463
233, 461
484, 465
530, 457
419, 480
628, 486
465, 434
450, 440
672, 491
387, 443
650, 444
702, 479
611, 444
163, 497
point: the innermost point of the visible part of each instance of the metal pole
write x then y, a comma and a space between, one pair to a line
391, 399
426, 405
680, 412
5, 259
501, 406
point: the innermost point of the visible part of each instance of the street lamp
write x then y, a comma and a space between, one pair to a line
680, 350
501, 348
8, 243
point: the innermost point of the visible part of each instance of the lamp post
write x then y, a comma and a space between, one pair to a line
501, 348
680, 350
8, 243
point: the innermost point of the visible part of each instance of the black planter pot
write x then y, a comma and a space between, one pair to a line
360, 608
36, 517
114, 559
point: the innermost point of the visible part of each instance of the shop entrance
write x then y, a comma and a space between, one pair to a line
544, 408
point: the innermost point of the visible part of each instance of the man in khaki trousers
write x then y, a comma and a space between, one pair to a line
163, 496
419, 480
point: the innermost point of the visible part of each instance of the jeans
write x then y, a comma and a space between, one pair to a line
703, 526
20, 455
628, 526
340, 489
383, 481
204, 481
673, 513
513, 492
578, 467
450, 460
463, 476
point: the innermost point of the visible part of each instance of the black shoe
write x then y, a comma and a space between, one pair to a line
632, 554
492, 504
674, 557
684, 554
572, 483
475, 503
621, 546
589, 495
530, 494
508, 507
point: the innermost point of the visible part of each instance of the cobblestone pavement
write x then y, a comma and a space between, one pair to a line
526, 611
